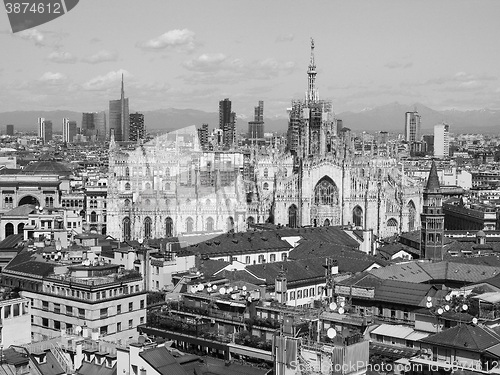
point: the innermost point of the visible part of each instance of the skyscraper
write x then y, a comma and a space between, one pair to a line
137, 130
256, 127
119, 120
412, 126
9, 130
44, 129
69, 130
441, 140
94, 126
203, 136
227, 120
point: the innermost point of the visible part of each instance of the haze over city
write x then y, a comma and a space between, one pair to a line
192, 54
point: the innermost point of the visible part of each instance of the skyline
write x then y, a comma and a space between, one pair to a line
367, 55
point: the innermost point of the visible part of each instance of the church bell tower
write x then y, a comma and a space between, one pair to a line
432, 219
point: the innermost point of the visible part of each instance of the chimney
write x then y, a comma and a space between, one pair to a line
78, 354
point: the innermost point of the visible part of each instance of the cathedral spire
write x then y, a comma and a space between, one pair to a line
312, 94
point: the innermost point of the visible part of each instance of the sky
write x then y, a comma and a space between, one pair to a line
194, 53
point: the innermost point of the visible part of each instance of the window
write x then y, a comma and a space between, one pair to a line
266, 173
131, 323
104, 313
311, 292
130, 306
189, 225
103, 330
247, 259
265, 186
142, 320
118, 327
147, 227
45, 322
292, 296
261, 259
210, 224
69, 310
142, 303
119, 309
306, 293
284, 256
169, 226
81, 313
326, 193
272, 258
57, 308
299, 294
45, 305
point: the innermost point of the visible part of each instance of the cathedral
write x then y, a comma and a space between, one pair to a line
170, 187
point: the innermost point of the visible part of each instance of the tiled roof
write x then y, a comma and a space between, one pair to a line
31, 263
11, 241
427, 272
332, 235
467, 337
404, 293
209, 267
246, 242
349, 260
51, 366
389, 250
410, 271
91, 368
23, 210
162, 361
295, 271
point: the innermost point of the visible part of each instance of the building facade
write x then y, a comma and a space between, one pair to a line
69, 130
94, 126
441, 141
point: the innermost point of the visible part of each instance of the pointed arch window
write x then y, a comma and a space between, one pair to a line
357, 216
210, 225
189, 225
126, 229
147, 228
169, 227
326, 192
292, 216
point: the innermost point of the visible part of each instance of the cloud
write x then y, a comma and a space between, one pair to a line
52, 78
178, 39
101, 56
94, 40
62, 57
106, 81
460, 77
219, 68
285, 38
398, 65
32, 35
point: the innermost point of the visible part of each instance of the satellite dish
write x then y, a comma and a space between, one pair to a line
447, 307
447, 298
331, 333
244, 288
140, 240
214, 287
78, 329
428, 305
429, 299
474, 320
341, 310
249, 299
440, 311
235, 288
230, 290
141, 340
201, 287
465, 307
209, 285
222, 290
332, 306
342, 304
233, 296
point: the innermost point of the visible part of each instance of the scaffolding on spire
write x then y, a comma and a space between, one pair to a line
312, 93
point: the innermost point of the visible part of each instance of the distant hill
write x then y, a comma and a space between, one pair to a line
388, 117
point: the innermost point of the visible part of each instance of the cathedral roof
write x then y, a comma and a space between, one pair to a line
433, 180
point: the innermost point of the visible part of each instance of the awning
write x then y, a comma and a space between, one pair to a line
389, 330
237, 304
414, 336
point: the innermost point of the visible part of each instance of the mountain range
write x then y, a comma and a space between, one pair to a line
388, 117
